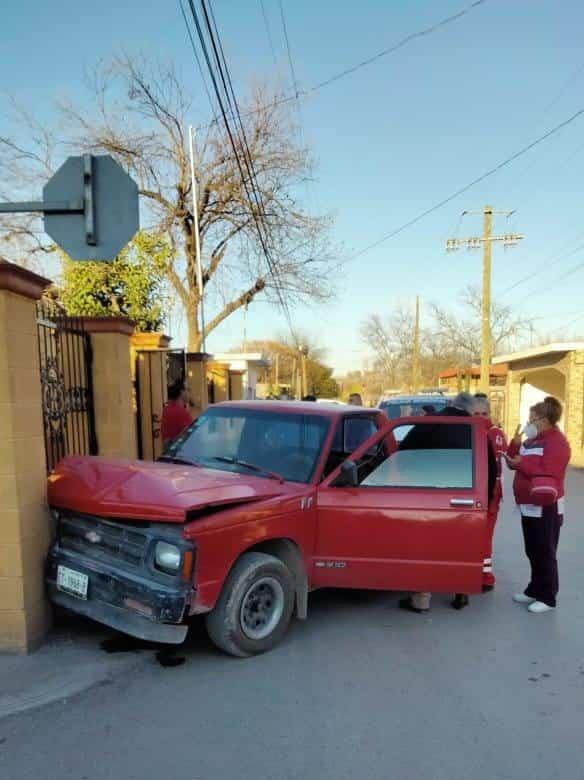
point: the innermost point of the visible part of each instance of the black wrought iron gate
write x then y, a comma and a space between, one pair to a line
66, 384
156, 370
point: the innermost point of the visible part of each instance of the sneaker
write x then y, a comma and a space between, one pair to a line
409, 607
538, 607
521, 598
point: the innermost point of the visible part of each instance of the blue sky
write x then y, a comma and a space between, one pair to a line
390, 140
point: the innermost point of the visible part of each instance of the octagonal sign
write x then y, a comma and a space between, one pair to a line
109, 195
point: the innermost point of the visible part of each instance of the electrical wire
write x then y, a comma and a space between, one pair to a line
547, 263
248, 184
198, 60
468, 186
268, 32
301, 93
399, 45
288, 50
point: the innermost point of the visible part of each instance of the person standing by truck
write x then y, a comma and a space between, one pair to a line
540, 465
175, 415
498, 444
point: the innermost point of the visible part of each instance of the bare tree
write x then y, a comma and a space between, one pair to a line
450, 341
139, 115
463, 334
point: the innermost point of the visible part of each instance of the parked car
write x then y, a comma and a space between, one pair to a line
256, 505
411, 405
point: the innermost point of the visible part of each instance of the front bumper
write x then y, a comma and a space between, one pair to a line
122, 600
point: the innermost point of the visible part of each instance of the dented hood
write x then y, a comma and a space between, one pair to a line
141, 490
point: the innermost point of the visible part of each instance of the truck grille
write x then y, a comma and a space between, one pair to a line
102, 540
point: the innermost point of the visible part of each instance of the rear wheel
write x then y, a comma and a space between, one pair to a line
255, 606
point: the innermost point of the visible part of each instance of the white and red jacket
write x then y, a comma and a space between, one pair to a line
546, 455
499, 443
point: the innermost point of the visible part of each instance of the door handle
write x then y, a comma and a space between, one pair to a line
462, 502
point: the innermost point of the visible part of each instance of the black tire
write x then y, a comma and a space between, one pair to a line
227, 625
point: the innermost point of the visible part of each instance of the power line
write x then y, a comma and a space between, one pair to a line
269, 32
399, 45
223, 72
547, 263
288, 51
299, 93
197, 58
468, 186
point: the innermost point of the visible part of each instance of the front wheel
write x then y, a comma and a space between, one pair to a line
255, 606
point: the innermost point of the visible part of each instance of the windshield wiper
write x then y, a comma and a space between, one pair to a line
181, 461
249, 466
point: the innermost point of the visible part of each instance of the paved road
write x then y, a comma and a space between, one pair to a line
361, 690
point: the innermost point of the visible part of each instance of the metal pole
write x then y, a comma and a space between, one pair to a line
486, 301
245, 328
197, 239
416, 349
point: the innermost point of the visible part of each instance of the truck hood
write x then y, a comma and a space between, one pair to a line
141, 490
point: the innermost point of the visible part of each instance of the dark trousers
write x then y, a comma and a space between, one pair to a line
541, 535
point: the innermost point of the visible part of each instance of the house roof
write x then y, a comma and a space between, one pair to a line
545, 349
475, 371
255, 358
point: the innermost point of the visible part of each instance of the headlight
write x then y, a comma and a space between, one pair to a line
167, 556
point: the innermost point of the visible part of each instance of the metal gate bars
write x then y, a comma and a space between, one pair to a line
66, 384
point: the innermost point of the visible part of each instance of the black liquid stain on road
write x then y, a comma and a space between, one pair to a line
166, 657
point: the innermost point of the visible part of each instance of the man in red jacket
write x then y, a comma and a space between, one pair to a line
498, 443
175, 415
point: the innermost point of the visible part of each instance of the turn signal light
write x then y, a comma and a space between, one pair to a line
187, 567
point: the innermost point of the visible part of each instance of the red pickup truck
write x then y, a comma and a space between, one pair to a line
259, 503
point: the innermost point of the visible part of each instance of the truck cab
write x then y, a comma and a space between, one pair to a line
256, 505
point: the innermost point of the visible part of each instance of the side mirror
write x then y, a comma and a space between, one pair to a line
349, 475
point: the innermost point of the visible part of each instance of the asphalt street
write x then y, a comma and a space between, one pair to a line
360, 690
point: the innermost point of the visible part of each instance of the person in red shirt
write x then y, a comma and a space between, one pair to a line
545, 453
175, 415
498, 443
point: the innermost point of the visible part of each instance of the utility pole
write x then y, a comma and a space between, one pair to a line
416, 349
304, 377
277, 377
245, 328
475, 242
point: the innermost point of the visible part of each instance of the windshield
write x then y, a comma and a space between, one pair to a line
232, 439
395, 409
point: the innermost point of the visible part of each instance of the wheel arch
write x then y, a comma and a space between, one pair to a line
289, 553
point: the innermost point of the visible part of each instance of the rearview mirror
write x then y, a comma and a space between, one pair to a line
349, 475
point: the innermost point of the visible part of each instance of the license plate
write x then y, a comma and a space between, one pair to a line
72, 582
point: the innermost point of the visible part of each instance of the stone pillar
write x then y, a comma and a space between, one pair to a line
112, 386
219, 374
150, 370
236, 385
574, 411
24, 520
512, 402
197, 381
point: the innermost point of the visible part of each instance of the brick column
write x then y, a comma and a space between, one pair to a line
574, 411
512, 402
112, 385
197, 381
24, 520
151, 373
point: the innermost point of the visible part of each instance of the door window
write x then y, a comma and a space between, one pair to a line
428, 455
